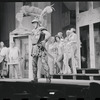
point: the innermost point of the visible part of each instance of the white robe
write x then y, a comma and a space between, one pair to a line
4, 53
70, 50
52, 52
15, 70
14, 54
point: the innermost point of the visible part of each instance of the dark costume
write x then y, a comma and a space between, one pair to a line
3, 69
38, 50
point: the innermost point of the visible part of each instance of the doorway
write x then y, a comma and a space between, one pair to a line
85, 50
97, 44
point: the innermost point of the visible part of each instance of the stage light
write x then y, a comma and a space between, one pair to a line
51, 93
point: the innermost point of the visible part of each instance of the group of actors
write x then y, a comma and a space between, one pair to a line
56, 54
9, 56
53, 54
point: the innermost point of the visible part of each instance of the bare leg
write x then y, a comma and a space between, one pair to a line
59, 66
51, 65
66, 69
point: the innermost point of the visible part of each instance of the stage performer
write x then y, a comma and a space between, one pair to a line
59, 60
14, 57
73, 42
3, 60
51, 59
67, 54
71, 59
39, 38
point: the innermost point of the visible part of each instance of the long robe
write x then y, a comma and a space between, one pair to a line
15, 70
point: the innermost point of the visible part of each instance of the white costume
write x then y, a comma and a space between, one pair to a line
71, 53
14, 58
67, 55
14, 54
59, 46
52, 52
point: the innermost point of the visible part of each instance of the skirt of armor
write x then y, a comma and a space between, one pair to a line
35, 55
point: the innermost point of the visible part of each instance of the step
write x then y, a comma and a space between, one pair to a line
76, 76
88, 71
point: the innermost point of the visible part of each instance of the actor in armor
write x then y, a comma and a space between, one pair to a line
39, 38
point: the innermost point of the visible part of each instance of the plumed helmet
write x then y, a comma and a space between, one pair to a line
35, 20
45, 11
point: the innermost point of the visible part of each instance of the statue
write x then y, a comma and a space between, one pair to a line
25, 11
30, 11
19, 17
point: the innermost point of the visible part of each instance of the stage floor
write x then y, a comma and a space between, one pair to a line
54, 81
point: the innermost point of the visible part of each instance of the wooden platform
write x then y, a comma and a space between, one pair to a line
82, 74
54, 81
88, 71
77, 76
83, 77
69, 81
15, 80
